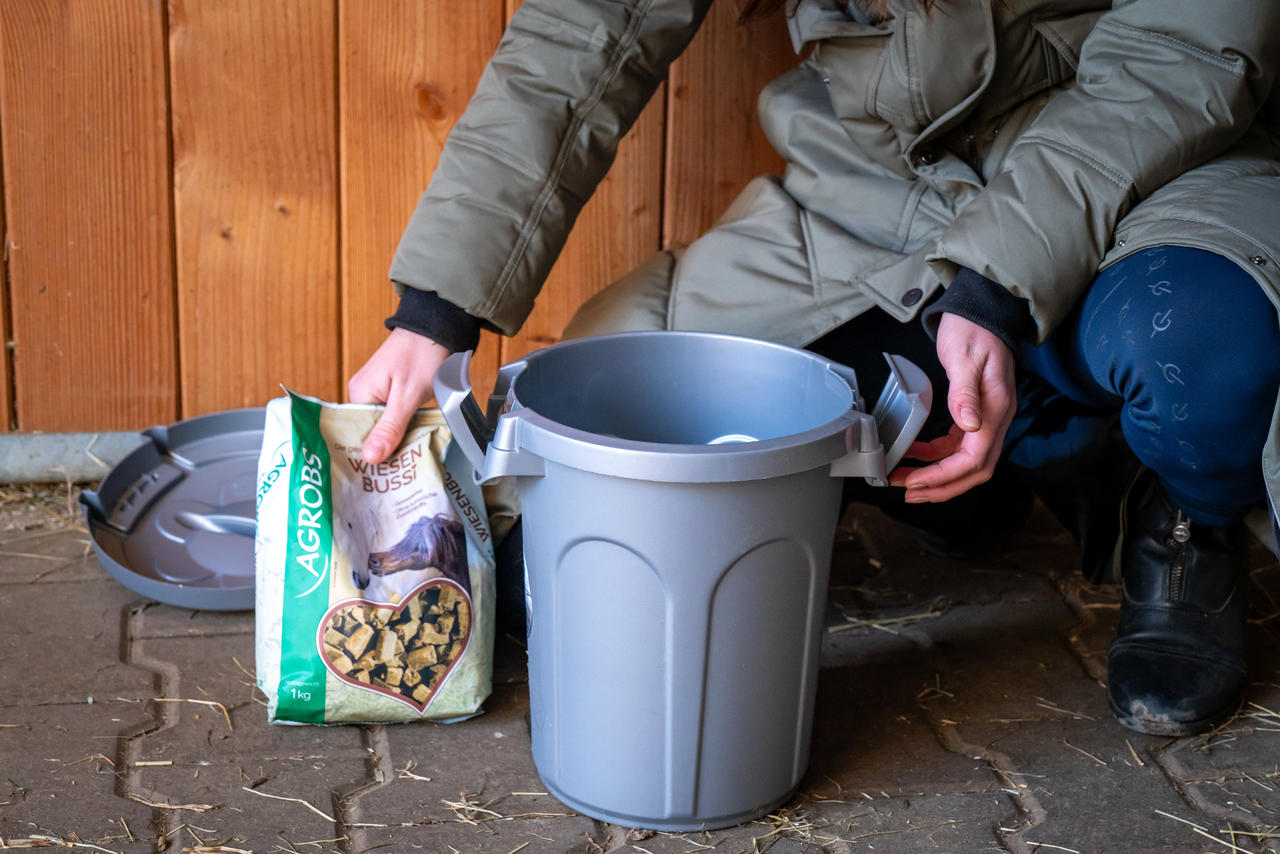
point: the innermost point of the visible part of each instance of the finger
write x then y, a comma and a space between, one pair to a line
964, 399
935, 449
387, 433
977, 452
926, 452
942, 473
360, 391
946, 492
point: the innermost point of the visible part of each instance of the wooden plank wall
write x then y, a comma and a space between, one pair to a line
201, 198
88, 242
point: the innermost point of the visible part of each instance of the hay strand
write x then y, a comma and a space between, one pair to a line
1054, 707
160, 806
1101, 762
306, 804
936, 609
212, 703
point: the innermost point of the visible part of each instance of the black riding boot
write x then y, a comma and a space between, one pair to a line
1177, 664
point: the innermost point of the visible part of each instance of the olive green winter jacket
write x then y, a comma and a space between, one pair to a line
1032, 141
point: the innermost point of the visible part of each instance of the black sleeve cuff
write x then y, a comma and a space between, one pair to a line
433, 316
976, 298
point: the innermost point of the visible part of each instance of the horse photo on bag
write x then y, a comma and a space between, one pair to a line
433, 546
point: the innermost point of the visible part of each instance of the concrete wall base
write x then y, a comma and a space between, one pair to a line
62, 457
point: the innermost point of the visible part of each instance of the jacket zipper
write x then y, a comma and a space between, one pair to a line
1178, 539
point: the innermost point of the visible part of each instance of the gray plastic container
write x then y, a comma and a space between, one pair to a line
680, 494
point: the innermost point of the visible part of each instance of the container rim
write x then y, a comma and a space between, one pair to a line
809, 449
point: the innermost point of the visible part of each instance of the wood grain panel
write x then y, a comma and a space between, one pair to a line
89, 242
714, 141
6, 363
407, 71
254, 89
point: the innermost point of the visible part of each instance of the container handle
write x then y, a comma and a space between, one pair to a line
461, 412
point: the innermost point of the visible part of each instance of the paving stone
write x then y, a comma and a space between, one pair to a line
892, 570
1233, 774
156, 620
227, 801
1098, 607
1247, 744
945, 622
438, 772
572, 834
483, 758
1045, 548
932, 822
1249, 806
200, 670
1010, 663
935, 822
1073, 799
510, 660
48, 556
66, 637
60, 772
870, 737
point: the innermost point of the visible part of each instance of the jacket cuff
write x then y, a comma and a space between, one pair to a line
980, 300
434, 317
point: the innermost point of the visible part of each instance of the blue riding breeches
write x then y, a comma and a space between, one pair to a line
1179, 345
1187, 346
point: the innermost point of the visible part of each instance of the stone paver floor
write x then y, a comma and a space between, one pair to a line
960, 709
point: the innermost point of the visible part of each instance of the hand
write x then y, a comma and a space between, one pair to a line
399, 374
982, 400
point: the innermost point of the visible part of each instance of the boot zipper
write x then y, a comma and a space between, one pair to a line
1178, 539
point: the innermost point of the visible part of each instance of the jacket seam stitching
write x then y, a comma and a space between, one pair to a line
914, 83
583, 33
908, 217
1056, 42
464, 140
1109, 172
552, 180
1191, 220
1236, 67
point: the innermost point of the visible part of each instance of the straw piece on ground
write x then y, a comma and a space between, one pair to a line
1136, 757
212, 703
160, 806
1101, 762
306, 804
1054, 707
406, 773
891, 624
41, 841
101, 756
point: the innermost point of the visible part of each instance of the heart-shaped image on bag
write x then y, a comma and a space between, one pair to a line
404, 651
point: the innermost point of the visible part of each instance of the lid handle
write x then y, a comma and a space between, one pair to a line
877, 442
489, 458
902, 408
461, 412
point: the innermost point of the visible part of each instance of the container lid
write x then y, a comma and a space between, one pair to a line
175, 519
